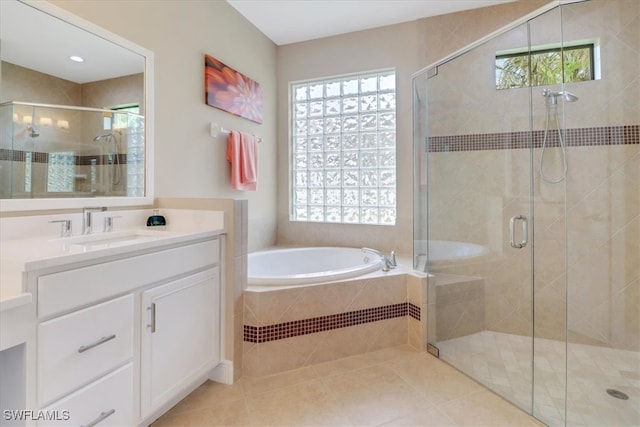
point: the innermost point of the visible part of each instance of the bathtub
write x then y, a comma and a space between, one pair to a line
447, 250
296, 266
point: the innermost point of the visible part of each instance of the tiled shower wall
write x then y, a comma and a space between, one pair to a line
603, 253
479, 179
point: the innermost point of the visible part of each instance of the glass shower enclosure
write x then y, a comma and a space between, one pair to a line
527, 211
70, 151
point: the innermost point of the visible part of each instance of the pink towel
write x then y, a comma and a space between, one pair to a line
242, 153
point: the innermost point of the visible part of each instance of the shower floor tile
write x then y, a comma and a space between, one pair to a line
397, 386
503, 363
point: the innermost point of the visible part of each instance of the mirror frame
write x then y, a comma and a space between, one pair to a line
14, 205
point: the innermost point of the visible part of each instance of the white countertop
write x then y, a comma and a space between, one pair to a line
21, 255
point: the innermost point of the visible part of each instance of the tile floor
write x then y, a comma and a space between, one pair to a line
503, 363
398, 386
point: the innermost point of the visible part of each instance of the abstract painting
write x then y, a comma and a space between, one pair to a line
231, 91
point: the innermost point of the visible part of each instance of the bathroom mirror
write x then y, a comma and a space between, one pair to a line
76, 112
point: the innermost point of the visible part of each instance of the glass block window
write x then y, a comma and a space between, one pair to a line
343, 147
61, 172
131, 128
28, 170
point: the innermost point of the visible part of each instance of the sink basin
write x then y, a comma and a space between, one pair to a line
97, 241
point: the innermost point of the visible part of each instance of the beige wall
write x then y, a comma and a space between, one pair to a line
406, 47
188, 161
25, 85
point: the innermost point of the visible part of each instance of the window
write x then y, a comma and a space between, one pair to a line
121, 121
545, 67
343, 166
130, 126
61, 172
28, 170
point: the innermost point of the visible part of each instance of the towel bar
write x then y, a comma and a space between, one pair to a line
217, 130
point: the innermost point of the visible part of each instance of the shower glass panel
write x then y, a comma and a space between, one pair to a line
549, 101
474, 193
527, 213
603, 219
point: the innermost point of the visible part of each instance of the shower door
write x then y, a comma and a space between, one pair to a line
474, 154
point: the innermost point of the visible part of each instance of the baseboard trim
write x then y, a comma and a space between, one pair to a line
222, 373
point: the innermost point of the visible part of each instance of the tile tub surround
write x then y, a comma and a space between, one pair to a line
260, 334
294, 327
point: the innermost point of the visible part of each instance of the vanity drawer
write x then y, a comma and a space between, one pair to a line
64, 291
109, 400
79, 347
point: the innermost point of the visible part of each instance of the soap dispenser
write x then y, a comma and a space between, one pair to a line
156, 220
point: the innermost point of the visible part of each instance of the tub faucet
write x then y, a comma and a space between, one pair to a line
389, 261
87, 218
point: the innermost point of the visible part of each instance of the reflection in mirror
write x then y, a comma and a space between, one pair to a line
54, 151
69, 129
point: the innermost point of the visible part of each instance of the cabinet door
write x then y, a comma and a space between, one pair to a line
180, 336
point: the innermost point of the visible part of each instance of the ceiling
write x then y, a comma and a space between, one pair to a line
291, 21
36, 40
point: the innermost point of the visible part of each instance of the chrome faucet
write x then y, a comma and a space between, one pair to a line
389, 261
65, 229
87, 218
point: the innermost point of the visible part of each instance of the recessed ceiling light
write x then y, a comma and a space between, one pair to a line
76, 58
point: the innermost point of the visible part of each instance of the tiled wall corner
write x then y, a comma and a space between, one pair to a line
240, 236
417, 323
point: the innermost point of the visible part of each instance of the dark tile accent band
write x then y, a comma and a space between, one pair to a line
580, 137
260, 334
40, 157
413, 311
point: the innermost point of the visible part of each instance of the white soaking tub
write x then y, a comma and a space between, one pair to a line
298, 266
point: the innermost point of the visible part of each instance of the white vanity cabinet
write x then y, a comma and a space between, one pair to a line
181, 338
120, 340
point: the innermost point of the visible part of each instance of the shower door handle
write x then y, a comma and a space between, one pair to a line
512, 231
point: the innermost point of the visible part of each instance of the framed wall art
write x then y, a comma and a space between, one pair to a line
231, 91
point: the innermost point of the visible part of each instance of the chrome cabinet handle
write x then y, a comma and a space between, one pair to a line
152, 325
512, 232
103, 415
102, 340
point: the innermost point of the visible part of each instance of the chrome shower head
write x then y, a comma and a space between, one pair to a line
33, 133
553, 96
106, 136
568, 96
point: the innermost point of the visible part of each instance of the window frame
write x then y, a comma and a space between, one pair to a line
591, 45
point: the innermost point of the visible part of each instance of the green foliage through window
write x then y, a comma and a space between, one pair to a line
545, 67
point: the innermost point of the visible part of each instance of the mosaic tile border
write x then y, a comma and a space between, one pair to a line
579, 137
260, 334
38, 157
